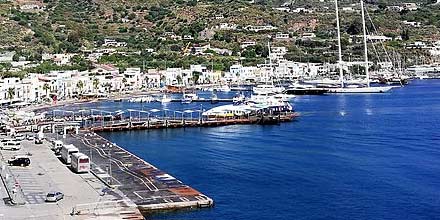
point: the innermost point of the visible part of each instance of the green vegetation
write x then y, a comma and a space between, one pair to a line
70, 26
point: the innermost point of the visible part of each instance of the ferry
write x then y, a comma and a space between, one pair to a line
251, 107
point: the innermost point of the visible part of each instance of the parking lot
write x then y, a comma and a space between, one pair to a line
47, 173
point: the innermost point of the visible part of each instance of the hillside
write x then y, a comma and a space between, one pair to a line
59, 26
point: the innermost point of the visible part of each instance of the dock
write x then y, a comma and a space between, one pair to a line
150, 188
205, 100
165, 123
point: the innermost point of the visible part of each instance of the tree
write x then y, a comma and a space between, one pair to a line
80, 86
95, 83
124, 81
46, 88
179, 80
196, 76
16, 57
11, 94
405, 35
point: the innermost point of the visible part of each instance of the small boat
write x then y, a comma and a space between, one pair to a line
267, 89
214, 98
238, 88
238, 99
224, 88
189, 97
165, 99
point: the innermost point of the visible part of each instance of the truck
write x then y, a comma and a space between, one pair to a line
67, 151
80, 163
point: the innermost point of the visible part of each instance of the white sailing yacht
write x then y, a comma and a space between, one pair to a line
353, 89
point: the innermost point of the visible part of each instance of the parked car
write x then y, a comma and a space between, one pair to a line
54, 196
19, 137
19, 161
11, 145
38, 141
30, 137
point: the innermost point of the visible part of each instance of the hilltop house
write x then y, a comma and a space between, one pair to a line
247, 44
113, 43
260, 28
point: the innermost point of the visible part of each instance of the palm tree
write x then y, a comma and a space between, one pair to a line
95, 83
124, 81
46, 87
11, 94
80, 86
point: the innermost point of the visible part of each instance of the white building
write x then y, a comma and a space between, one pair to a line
226, 26
113, 43
247, 44
282, 36
134, 78
260, 28
59, 59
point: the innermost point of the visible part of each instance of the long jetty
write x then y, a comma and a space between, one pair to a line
163, 123
147, 186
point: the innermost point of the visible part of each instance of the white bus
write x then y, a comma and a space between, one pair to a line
67, 151
80, 163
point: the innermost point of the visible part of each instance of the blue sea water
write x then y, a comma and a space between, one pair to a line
364, 156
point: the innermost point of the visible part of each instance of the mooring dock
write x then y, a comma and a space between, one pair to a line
162, 123
147, 186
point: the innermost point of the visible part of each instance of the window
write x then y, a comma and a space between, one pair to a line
85, 160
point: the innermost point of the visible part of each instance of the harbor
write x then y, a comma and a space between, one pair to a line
147, 187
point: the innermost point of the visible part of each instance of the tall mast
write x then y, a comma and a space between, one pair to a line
341, 73
365, 44
270, 63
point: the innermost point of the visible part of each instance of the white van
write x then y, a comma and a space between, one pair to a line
56, 146
67, 151
80, 163
11, 145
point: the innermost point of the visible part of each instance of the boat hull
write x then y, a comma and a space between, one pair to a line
306, 91
379, 89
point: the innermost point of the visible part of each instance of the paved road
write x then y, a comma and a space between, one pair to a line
47, 173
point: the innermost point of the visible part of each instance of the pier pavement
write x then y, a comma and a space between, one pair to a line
83, 193
147, 186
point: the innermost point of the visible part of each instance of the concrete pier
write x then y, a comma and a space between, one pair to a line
147, 186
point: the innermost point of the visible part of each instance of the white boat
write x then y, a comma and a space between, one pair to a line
142, 99
270, 98
238, 99
355, 89
165, 99
224, 88
284, 97
248, 108
267, 89
238, 88
189, 97
379, 89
